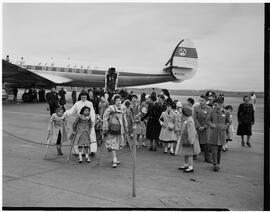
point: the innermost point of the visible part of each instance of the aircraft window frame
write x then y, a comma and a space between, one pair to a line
62, 69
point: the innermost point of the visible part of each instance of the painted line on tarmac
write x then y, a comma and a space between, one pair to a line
24, 113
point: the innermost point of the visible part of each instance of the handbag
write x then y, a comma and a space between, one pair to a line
114, 126
170, 126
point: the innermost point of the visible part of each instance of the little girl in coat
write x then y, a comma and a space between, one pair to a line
138, 126
81, 135
229, 131
57, 129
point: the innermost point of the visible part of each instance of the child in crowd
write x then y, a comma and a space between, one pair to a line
138, 126
81, 133
229, 131
57, 129
188, 143
167, 134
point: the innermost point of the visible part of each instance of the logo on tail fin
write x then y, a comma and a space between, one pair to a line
186, 52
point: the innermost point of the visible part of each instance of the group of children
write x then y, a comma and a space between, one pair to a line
173, 124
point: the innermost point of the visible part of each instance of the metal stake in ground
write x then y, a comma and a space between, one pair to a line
134, 169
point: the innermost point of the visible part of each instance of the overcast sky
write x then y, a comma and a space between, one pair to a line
137, 36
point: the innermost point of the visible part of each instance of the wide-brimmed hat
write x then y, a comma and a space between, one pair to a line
187, 111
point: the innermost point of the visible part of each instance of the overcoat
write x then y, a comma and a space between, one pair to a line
188, 135
114, 142
55, 125
200, 114
153, 126
245, 117
217, 134
82, 128
167, 121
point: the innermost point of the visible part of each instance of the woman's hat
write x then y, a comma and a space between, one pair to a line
83, 109
179, 104
144, 110
187, 111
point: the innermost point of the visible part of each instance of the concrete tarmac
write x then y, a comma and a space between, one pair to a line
29, 180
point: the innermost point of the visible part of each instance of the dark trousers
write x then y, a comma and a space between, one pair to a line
52, 108
216, 154
58, 142
206, 151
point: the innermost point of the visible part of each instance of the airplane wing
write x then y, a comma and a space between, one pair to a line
22, 77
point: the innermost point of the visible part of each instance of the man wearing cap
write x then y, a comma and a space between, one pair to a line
200, 114
75, 112
218, 121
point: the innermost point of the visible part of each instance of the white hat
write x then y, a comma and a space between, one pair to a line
179, 104
144, 110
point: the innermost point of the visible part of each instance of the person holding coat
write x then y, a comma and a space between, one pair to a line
246, 119
218, 121
188, 143
114, 128
200, 114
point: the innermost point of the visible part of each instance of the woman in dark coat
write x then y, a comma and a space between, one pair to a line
153, 126
246, 119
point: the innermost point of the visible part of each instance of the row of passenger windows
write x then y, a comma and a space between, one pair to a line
46, 68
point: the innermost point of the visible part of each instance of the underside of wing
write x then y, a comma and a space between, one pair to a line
22, 77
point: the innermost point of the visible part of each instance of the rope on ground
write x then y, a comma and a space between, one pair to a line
39, 143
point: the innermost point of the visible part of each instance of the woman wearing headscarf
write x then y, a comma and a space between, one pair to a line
114, 128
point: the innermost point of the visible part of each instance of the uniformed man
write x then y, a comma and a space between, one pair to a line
53, 100
200, 114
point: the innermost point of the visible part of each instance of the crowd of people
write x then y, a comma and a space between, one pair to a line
155, 121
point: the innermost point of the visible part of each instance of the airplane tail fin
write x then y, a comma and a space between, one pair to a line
183, 63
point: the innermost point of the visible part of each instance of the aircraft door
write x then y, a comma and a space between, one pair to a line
111, 80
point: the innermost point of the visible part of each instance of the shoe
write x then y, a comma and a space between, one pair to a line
59, 151
243, 143
80, 161
150, 149
194, 157
154, 149
172, 154
188, 170
207, 160
216, 168
144, 145
165, 152
88, 160
248, 144
117, 162
92, 154
114, 165
183, 168
224, 150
